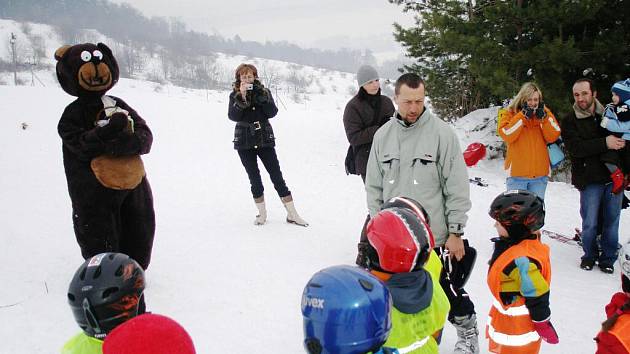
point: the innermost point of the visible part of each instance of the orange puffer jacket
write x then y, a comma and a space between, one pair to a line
527, 141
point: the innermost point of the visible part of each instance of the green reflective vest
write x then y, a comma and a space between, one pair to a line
83, 344
413, 333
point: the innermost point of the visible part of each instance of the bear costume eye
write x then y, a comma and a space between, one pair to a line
86, 56
97, 54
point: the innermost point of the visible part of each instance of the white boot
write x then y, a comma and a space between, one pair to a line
261, 218
467, 335
292, 215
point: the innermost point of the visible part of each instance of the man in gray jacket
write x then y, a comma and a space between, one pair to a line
417, 155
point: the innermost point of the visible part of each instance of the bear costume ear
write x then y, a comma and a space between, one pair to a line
59, 53
105, 49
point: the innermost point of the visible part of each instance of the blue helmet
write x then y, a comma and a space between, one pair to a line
346, 310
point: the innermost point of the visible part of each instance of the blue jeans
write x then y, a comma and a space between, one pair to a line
592, 198
534, 185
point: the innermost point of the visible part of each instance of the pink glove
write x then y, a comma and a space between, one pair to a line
546, 331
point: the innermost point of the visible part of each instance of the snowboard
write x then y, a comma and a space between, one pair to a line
478, 181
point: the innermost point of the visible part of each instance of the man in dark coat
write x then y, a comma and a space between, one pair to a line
367, 111
586, 141
103, 138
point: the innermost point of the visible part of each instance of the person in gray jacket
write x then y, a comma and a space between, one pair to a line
417, 155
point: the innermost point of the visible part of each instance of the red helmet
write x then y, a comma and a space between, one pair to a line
414, 206
473, 153
400, 239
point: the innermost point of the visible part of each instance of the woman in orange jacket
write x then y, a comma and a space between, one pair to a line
527, 127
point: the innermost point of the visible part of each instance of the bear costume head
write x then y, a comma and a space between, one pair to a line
86, 69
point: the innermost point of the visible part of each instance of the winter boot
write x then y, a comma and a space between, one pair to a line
261, 218
467, 334
292, 215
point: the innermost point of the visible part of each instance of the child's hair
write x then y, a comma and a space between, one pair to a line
106, 291
610, 322
149, 334
523, 94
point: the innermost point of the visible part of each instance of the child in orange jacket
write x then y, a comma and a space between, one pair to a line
519, 276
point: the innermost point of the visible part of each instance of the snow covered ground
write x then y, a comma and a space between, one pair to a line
236, 287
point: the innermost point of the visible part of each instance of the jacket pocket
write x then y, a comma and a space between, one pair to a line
240, 137
268, 138
390, 164
425, 171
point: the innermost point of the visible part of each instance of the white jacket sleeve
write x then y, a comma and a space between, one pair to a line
374, 181
455, 184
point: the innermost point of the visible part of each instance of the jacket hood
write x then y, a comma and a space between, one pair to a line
412, 292
581, 114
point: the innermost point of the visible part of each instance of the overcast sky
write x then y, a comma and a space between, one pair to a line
308, 23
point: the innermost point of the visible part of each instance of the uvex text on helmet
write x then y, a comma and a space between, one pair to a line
345, 310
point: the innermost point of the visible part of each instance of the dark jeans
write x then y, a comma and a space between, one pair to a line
591, 198
268, 156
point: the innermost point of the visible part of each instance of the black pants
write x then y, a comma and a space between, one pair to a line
116, 221
268, 156
461, 305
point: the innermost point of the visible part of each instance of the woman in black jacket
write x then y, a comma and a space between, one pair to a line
251, 107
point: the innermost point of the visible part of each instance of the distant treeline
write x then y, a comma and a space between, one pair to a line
126, 24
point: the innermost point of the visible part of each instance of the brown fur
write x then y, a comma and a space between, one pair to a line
118, 172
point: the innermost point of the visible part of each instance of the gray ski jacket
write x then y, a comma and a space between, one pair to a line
422, 161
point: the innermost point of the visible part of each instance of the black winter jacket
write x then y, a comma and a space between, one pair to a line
361, 121
585, 141
252, 116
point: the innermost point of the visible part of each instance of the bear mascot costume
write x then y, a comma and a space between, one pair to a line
103, 138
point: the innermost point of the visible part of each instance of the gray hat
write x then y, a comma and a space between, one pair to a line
366, 74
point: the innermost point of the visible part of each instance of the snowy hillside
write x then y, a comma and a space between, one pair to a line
236, 287
36, 43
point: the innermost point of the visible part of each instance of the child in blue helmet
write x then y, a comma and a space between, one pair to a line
346, 310
106, 290
616, 119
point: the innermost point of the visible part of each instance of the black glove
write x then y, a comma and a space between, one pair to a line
262, 97
260, 94
540, 110
527, 111
117, 123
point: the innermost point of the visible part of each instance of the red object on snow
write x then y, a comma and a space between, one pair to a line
473, 153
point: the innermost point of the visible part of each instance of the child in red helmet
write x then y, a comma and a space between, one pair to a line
400, 255
149, 334
519, 276
614, 338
